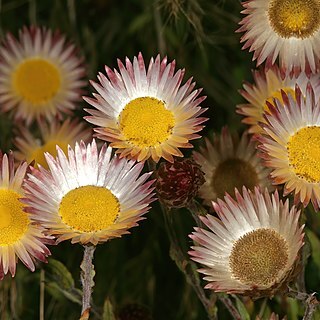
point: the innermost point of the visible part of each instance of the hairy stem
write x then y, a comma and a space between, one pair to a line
87, 275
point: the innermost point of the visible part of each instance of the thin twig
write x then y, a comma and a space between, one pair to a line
87, 275
41, 304
231, 308
185, 264
197, 211
310, 301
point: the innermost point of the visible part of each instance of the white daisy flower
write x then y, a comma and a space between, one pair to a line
89, 197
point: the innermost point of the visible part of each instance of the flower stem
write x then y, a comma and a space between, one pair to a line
310, 301
87, 275
42, 283
186, 265
231, 308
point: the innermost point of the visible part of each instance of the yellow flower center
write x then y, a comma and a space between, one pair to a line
13, 220
49, 146
89, 208
146, 122
233, 173
304, 153
278, 95
36, 80
294, 18
259, 257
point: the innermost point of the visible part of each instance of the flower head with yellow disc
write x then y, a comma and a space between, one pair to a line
21, 237
40, 75
290, 145
146, 113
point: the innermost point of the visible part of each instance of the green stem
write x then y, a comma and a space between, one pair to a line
186, 265
33, 12
42, 284
159, 28
197, 210
231, 308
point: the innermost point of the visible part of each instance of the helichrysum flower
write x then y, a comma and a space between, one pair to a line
230, 162
290, 145
286, 29
267, 86
40, 74
64, 133
89, 197
253, 247
146, 113
178, 183
20, 236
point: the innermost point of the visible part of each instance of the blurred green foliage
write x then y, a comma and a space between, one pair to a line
200, 36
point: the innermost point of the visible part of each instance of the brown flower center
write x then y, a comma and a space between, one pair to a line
259, 257
233, 173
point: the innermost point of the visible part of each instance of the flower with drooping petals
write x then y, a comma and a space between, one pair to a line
89, 196
290, 145
58, 133
40, 74
20, 236
267, 86
177, 183
289, 30
253, 247
146, 113
230, 162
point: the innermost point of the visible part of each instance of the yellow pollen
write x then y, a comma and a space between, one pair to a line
13, 220
259, 257
233, 173
36, 80
294, 18
278, 95
146, 122
50, 147
89, 208
304, 153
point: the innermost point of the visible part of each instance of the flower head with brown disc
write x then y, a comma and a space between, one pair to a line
286, 29
230, 162
252, 248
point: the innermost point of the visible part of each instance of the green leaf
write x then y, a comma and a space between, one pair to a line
57, 271
59, 280
315, 245
294, 309
241, 308
108, 313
